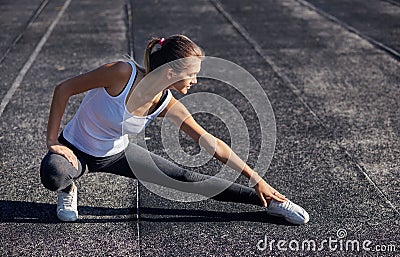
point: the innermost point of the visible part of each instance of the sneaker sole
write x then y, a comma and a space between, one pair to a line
66, 219
282, 216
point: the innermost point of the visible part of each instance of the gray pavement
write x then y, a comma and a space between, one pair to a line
335, 99
81, 41
370, 18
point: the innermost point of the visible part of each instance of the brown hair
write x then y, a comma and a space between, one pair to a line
170, 49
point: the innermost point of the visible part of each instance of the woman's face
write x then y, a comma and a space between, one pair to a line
187, 78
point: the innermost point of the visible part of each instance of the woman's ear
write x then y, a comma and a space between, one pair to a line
170, 73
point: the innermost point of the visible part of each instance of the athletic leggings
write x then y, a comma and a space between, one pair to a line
57, 173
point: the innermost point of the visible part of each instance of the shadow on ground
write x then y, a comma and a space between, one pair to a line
32, 212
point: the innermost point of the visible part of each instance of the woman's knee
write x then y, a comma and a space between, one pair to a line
55, 172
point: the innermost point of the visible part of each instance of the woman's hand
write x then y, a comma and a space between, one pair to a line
268, 193
65, 152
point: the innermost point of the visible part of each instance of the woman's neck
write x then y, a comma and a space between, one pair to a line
149, 86
145, 92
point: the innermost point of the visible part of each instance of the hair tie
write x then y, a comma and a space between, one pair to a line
161, 41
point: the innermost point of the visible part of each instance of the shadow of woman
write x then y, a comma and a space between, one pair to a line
33, 212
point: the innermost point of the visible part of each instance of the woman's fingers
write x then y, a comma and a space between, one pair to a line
275, 195
68, 154
263, 200
73, 161
65, 152
265, 191
71, 157
281, 196
278, 197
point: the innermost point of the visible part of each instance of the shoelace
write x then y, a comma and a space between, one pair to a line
67, 200
286, 205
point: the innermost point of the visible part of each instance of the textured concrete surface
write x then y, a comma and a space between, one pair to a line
378, 20
343, 79
335, 100
320, 59
14, 20
88, 34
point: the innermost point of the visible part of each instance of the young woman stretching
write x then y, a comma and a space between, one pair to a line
94, 138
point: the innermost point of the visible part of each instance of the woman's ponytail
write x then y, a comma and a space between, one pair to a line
148, 52
170, 49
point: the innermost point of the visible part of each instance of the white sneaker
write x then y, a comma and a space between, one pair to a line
292, 212
67, 205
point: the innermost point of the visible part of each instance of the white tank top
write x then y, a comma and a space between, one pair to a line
102, 123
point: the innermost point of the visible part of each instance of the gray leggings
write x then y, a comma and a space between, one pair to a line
57, 173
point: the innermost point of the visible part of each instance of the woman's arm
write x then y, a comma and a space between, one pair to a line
177, 112
112, 76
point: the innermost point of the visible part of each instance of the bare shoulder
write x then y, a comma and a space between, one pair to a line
112, 76
119, 74
119, 69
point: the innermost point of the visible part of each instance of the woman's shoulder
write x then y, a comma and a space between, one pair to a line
120, 68
119, 74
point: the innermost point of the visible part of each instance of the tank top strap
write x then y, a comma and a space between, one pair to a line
131, 80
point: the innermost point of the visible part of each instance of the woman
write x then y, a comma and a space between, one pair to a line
95, 137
